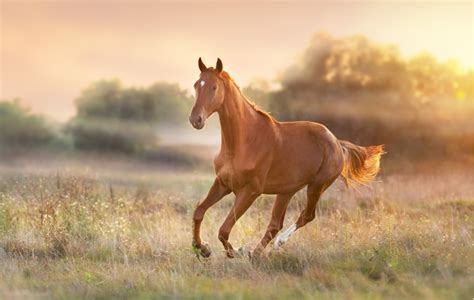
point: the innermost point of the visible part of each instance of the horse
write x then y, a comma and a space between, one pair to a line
259, 155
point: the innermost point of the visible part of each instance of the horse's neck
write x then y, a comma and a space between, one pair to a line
238, 120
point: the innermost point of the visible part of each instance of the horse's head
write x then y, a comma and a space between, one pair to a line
210, 92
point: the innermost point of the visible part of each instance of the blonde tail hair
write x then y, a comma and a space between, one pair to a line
361, 164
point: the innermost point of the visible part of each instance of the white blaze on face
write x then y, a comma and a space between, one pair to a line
283, 237
202, 83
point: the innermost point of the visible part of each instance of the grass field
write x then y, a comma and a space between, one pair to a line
125, 232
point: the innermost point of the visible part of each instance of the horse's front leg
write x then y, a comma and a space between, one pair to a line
216, 193
244, 198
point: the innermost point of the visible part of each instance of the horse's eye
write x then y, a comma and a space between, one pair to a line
214, 87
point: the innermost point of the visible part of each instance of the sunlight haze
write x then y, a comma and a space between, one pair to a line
50, 51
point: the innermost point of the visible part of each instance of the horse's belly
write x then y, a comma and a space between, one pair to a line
290, 179
292, 171
283, 186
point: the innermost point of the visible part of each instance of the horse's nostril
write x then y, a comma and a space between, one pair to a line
197, 121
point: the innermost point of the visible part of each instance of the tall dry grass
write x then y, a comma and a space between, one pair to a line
68, 236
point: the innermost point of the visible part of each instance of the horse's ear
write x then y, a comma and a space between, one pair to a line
202, 66
219, 66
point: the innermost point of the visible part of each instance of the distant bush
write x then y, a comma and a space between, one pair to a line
111, 117
21, 128
158, 103
353, 68
111, 135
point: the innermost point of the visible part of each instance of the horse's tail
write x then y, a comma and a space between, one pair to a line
361, 164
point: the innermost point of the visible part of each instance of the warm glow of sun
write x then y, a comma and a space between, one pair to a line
51, 50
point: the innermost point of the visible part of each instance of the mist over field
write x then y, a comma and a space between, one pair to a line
99, 204
361, 90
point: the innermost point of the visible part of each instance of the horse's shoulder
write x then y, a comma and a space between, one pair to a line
220, 159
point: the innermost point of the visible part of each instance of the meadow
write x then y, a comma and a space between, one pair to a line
101, 170
105, 227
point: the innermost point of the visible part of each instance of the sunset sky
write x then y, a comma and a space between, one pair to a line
50, 50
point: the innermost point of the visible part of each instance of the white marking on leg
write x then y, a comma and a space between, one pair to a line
283, 237
202, 83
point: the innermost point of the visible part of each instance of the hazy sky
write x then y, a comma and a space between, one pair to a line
50, 50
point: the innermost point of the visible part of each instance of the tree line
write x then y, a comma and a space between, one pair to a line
361, 90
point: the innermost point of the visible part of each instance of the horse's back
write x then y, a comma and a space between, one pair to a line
307, 137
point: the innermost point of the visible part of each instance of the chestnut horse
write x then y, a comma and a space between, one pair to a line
260, 155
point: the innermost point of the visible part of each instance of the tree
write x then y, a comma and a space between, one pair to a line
111, 117
21, 128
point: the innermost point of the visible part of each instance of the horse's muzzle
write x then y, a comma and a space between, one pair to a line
197, 121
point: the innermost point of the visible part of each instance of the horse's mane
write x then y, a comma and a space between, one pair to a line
229, 81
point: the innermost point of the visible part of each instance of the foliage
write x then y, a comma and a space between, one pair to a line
159, 103
356, 66
20, 127
111, 135
110, 117
368, 93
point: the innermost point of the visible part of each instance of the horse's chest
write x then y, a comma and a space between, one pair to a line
231, 175
235, 174
225, 172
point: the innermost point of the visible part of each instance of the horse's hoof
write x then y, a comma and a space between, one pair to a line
203, 250
230, 253
258, 253
258, 258
278, 243
244, 253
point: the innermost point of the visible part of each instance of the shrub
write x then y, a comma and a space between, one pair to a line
368, 93
21, 128
111, 135
111, 117
159, 103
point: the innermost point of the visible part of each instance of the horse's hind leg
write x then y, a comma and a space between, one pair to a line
308, 214
276, 223
314, 192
